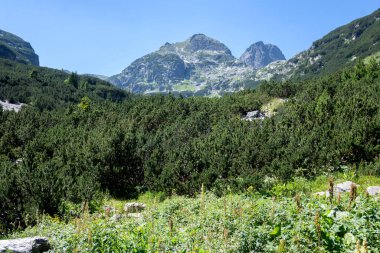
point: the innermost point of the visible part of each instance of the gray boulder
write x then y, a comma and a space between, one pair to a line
342, 187
254, 115
25, 245
134, 207
117, 217
7, 106
345, 186
135, 215
373, 190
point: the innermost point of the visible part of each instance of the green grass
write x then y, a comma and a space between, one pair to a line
273, 105
376, 56
184, 87
245, 222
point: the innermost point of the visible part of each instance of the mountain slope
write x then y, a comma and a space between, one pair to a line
14, 48
339, 48
48, 88
200, 65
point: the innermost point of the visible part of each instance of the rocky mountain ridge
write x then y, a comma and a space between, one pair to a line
200, 65
204, 66
14, 48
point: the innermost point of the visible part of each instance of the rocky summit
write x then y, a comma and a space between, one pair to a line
14, 48
199, 65
259, 55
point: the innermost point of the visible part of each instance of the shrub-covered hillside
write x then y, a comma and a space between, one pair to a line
46, 88
338, 49
358, 39
175, 144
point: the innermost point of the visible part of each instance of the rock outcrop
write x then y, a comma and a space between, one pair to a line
134, 207
345, 186
25, 245
7, 106
253, 115
339, 188
373, 190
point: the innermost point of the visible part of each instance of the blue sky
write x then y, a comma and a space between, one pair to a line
105, 36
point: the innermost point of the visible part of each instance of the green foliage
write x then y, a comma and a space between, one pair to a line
72, 80
174, 144
84, 103
322, 108
231, 223
45, 88
33, 73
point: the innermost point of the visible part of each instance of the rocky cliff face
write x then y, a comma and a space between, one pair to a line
154, 69
200, 65
259, 55
14, 48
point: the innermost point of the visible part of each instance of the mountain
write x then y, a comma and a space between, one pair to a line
204, 66
199, 65
14, 48
259, 55
340, 48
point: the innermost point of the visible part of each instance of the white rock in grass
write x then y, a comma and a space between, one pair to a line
342, 187
135, 215
134, 207
25, 245
116, 217
10, 106
320, 194
338, 214
345, 186
373, 190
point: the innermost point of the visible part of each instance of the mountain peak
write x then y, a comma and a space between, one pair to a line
259, 43
198, 36
191, 64
200, 41
258, 55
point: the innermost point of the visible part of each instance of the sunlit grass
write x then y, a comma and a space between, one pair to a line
184, 87
376, 56
272, 106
